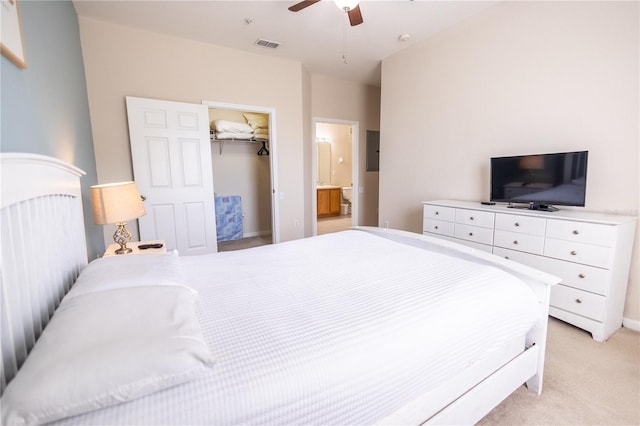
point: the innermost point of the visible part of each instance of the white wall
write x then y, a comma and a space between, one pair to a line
121, 61
521, 78
344, 100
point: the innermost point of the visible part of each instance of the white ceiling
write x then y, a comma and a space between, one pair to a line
315, 36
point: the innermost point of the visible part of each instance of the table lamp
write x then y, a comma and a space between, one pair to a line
116, 203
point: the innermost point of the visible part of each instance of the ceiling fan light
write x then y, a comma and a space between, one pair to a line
346, 5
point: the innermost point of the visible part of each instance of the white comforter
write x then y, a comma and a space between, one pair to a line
340, 329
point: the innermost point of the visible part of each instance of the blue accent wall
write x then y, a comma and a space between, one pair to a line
44, 107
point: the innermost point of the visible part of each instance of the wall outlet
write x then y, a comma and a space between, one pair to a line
296, 223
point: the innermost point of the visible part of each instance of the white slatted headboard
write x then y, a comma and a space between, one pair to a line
43, 249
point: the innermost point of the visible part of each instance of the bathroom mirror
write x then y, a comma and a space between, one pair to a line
324, 163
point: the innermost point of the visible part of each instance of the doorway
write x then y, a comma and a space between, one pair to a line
335, 175
243, 156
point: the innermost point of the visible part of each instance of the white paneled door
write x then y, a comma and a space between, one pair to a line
171, 154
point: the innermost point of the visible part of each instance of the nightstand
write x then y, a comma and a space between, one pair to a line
111, 250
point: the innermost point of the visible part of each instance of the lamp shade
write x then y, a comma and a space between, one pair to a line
116, 202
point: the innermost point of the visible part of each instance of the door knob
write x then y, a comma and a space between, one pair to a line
143, 197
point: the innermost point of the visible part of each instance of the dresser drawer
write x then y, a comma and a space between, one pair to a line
439, 227
580, 232
522, 224
576, 252
475, 218
576, 275
521, 242
579, 302
474, 233
439, 212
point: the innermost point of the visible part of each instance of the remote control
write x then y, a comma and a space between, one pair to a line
148, 246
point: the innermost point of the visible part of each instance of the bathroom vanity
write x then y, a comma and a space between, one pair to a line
328, 201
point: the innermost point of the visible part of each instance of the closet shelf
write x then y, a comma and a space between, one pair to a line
263, 150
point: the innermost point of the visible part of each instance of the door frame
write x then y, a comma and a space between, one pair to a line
355, 168
275, 211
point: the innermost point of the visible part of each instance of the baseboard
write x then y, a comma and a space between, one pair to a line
255, 234
631, 324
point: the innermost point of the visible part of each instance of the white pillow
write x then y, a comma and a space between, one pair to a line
113, 272
232, 127
108, 347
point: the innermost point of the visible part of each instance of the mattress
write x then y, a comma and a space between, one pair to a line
336, 329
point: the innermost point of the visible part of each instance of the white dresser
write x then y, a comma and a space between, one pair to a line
591, 252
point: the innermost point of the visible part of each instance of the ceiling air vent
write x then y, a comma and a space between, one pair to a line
267, 43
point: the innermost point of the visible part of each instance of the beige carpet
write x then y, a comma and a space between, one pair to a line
325, 226
585, 382
244, 243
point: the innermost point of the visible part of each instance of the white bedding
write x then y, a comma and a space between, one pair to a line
343, 328
236, 135
226, 126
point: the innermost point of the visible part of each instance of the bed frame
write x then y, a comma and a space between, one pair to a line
43, 250
474, 397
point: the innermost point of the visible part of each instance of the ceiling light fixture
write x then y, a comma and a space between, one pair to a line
344, 39
404, 37
346, 5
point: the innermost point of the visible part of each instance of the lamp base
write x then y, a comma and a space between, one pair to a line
123, 250
122, 237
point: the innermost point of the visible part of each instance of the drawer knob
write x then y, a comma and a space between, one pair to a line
435, 227
437, 213
516, 224
576, 232
581, 275
573, 252
471, 218
506, 257
515, 242
578, 301
471, 234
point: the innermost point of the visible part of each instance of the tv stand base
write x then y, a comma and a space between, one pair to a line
535, 206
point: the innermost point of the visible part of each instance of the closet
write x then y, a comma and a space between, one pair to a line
241, 174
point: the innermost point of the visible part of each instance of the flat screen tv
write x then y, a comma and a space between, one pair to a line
540, 180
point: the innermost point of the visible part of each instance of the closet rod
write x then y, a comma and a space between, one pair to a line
263, 150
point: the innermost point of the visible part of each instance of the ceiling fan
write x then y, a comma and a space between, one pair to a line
351, 7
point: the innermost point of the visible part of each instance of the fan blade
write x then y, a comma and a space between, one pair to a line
355, 17
299, 6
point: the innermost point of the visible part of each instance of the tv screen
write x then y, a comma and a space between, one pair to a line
540, 180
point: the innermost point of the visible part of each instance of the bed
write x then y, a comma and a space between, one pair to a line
366, 326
